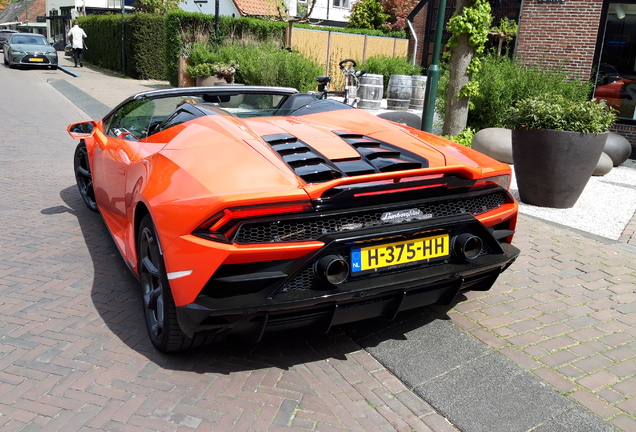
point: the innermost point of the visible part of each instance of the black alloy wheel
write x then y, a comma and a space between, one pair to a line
158, 304
83, 177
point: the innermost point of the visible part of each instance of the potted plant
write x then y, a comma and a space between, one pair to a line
209, 74
556, 145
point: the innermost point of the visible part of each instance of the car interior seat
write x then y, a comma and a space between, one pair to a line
294, 102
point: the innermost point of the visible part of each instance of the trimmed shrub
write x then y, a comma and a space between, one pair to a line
387, 66
555, 112
103, 40
143, 47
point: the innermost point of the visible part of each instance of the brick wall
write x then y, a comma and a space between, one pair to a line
628, 131
560, 33
419, 25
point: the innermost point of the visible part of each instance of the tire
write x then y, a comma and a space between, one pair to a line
83, 177
6, 63
158, 304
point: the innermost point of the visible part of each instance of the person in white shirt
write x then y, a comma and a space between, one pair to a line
77, 35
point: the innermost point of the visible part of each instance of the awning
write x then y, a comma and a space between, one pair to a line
10, 23
32, 25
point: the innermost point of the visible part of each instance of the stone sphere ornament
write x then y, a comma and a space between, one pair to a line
617, 148
603, 166
494, 142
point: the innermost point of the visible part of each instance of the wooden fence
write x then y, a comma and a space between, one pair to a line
329, 48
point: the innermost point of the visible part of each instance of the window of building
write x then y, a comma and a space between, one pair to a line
616, 71
341, 4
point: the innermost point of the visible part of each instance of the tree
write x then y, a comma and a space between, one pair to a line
157, 6
282, 13
398, 10
469, 26
506, 31
368, 14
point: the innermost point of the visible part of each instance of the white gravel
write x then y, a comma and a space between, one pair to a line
604, 208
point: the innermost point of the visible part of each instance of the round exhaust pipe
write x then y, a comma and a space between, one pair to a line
468, 246
332, 268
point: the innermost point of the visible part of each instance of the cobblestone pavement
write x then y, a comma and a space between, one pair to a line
74, 352
565, 311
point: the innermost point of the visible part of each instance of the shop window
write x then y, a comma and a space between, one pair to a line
616, 72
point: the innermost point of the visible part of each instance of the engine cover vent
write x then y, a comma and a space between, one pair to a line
313, 167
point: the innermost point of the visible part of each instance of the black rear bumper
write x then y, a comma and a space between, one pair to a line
254, 299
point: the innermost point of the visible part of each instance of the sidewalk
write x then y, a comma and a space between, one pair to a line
565, 311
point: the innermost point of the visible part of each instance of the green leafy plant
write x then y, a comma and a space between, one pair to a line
504, 81
202, 70
464, 138
160, 7
550, 111
368, 14
506, 30
473, 21
261, 64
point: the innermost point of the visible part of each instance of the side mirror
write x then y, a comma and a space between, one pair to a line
81, 130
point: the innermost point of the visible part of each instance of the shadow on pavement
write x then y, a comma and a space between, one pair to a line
116, 298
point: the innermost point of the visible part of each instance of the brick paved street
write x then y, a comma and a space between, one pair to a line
74, 353
566, 311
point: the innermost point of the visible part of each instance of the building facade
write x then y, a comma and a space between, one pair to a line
591, 39
326, 12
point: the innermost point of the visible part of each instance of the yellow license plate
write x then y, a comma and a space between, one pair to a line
36, 60
399, 254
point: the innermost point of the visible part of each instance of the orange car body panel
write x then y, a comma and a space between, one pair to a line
188, 173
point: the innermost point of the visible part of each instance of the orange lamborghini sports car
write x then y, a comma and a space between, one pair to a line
250, 209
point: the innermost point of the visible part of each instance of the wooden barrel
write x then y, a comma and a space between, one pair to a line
370, 91
418, 89
398, 94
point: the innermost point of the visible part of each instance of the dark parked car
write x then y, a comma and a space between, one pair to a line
29, 49
4, 36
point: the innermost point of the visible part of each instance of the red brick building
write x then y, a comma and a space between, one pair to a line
594, 39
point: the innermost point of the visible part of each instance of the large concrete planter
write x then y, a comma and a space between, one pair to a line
210, 81
553, 167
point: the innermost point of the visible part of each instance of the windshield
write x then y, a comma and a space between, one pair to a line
20, 39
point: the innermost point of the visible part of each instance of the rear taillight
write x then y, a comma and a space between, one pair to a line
224, 224
502, 181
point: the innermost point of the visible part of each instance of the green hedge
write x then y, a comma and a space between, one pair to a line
144, 43
103, 40
153, 43
145, 47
